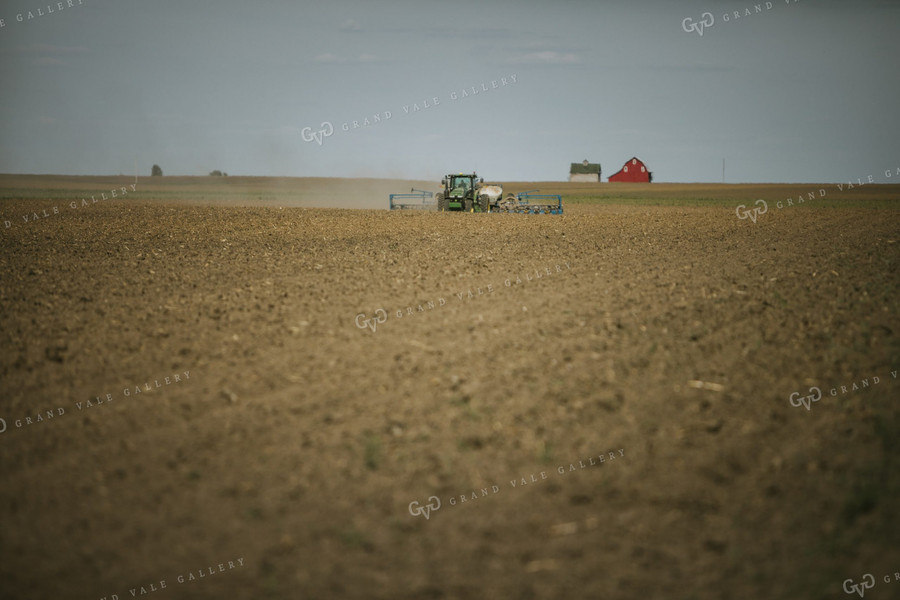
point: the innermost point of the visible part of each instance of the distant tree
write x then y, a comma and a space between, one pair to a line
225, 174
156, 171
216, 173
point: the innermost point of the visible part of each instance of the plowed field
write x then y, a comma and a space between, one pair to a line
599, 402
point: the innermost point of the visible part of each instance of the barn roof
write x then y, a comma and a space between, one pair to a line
580, 168
628, 162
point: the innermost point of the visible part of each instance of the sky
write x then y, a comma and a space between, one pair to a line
799, 91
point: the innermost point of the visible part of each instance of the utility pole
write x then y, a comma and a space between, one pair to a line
723, 170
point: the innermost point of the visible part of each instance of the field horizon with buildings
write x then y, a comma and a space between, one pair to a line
338, 192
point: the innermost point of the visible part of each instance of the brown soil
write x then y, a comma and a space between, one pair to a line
666, 339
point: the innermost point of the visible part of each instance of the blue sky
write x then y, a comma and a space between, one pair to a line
804, 91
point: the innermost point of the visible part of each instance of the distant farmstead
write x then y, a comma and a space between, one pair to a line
634, 171
585, 172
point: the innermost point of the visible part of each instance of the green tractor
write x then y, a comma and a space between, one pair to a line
460, 192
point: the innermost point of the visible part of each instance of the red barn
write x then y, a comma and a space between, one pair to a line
634, 171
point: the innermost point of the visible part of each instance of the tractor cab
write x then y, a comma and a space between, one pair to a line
462, 183
459, 185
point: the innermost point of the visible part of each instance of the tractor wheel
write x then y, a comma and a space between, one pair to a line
484, 203
468, 205
443, 202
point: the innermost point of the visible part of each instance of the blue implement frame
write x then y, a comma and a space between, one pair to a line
414, 193
527, 206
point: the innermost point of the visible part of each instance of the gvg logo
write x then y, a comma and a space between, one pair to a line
752, 213
706, 20
381, 315
425, 511
805, 400
371, 322
327, 129
868, 582
308, 135
815, 393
